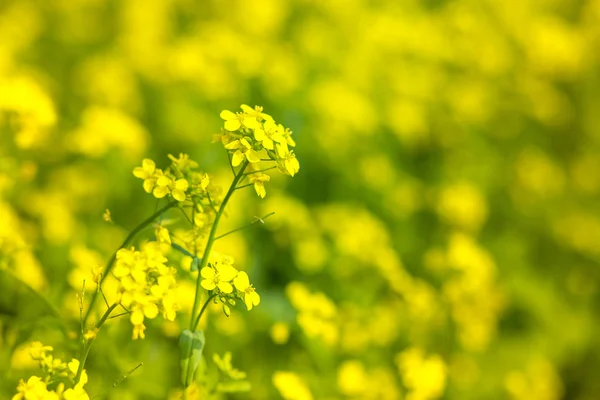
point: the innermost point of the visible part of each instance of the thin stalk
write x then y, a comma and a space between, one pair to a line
211, 239
262, 220
125, 243
244, 186
85, 350
260, 170
203, 309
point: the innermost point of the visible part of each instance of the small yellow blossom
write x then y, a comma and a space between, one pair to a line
34, 389
218, 276
38, 351
76, 393
234, 122
291, 164
91, 334
242, 283
256, 113
163, 182
73, 367
146, 172
162, 235
243, 150
224, 364
183, 162
259, 179
178, 189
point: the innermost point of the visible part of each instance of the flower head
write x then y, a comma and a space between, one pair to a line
242, 284
219, 276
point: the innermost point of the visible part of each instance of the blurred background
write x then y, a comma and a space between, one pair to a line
441, 240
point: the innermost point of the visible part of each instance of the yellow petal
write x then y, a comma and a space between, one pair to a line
208, 273
148, 165
251, 123
208, 285
232, 125
149, 185
137, 317
259, 135
252, 156
139, 172
241, 281
237, 158
160, 192
227, 115
225, 287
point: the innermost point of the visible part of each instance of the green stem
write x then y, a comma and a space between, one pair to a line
260, 170
125, 243
85, 350
262, 220
211, 239
203, 309
244, 186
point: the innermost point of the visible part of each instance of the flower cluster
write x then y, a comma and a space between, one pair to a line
254, 136
179, 180
57, 375
146, 285
221, 277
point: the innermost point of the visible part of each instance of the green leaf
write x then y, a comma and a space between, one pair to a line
191, 345
181, 250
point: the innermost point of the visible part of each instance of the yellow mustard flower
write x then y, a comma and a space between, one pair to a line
178, 189
234, 122
291, 164
259, 180
218, 276
76, 393
38, 351
256, 113
183, 162
224, 364
146, 172
242, 283
73, 367
34, 389
161, 188
269, 134
243, 150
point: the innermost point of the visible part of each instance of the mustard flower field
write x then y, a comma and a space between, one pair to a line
299, 199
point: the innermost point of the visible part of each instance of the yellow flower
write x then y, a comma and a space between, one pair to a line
38, 351
271, 133
242, 283
234, 122
162, 185
162, 235
243, 150
218, 277
183, 162
34, 389
73, 367
259, 180
178, 189
291, 164
77, 393
146, 172
256, 113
